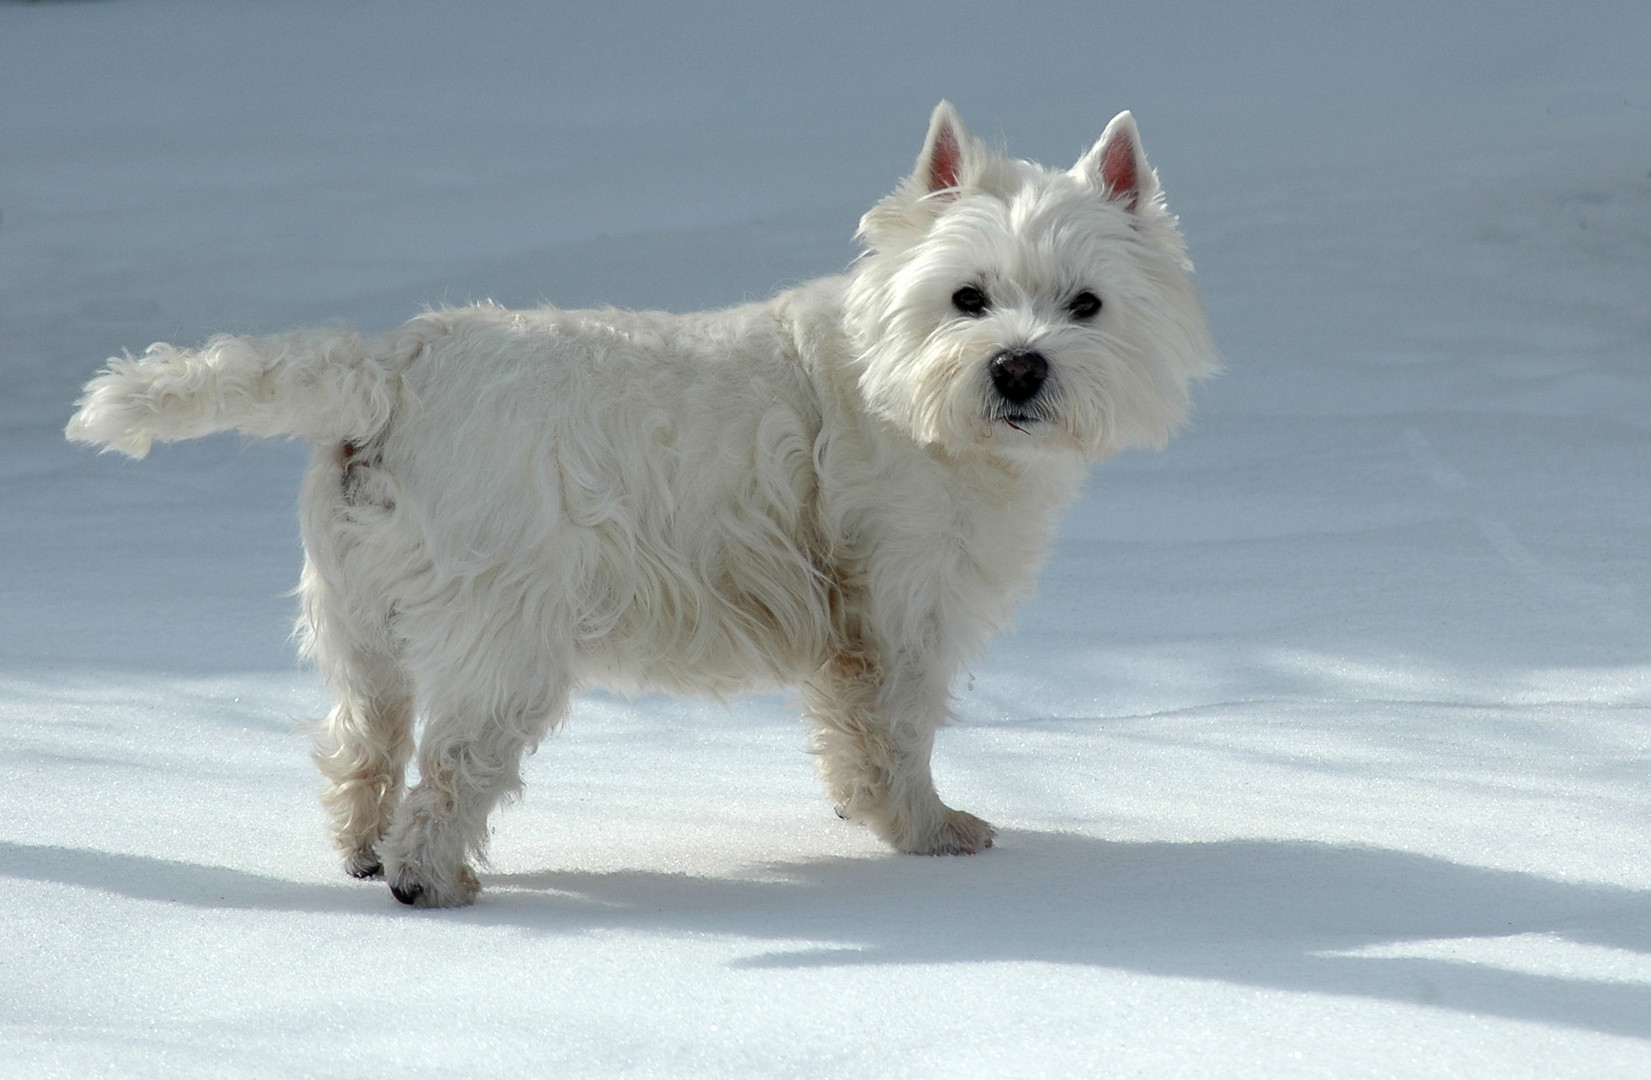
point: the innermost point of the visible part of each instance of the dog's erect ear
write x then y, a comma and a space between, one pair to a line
1117, 166
940, 165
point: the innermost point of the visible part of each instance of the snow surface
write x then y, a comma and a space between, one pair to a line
1323, 749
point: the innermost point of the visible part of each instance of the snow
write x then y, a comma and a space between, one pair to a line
1322, 750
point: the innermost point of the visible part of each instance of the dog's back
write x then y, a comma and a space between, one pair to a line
640, 485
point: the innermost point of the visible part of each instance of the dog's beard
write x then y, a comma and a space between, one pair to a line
943, 397
1022, 416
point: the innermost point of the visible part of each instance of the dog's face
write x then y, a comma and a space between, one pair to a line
1017, 310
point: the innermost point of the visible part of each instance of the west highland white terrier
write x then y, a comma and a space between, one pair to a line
846, 489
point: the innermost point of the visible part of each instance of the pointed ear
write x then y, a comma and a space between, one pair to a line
940, 165
1117, 166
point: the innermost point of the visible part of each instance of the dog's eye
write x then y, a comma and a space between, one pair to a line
970, 300
1086, 305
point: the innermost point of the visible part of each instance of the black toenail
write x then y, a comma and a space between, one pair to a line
407, 895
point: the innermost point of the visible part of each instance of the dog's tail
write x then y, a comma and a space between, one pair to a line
321, 385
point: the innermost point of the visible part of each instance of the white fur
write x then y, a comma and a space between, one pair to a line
826, 490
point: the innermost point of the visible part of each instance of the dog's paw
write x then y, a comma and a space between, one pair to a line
363, 864
416, 890
959, 833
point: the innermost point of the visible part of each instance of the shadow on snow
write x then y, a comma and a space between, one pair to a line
1275, 915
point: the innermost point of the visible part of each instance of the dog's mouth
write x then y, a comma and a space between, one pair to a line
1020, 421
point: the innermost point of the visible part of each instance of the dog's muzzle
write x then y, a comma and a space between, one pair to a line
1017, 376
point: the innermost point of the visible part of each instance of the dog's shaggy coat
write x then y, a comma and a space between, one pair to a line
846, 489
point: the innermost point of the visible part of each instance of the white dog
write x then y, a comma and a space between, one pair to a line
846, 489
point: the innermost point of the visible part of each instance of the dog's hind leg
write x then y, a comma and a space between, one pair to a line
362, 749
873, 735
363, 745
477, 729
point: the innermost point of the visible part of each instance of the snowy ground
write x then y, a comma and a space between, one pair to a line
1325, 748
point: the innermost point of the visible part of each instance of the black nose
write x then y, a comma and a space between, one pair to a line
1017, 375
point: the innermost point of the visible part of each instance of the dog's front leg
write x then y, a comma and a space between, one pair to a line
874, 727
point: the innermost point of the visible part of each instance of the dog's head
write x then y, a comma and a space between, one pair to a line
1014, 309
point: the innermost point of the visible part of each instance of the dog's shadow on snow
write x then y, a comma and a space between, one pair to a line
1279, 915
1283, 915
